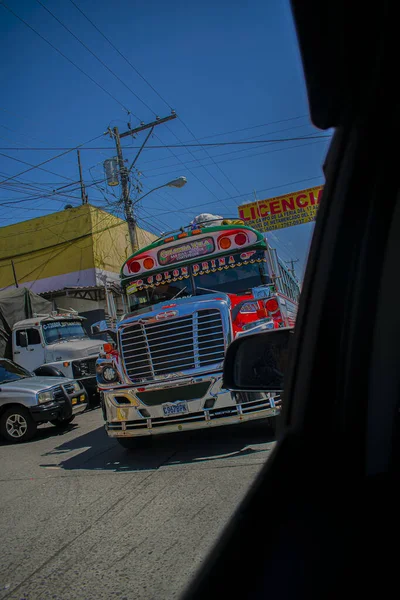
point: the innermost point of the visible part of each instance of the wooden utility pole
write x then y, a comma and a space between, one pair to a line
84, 195
124, 172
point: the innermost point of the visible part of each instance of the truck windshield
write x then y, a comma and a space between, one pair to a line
161, 293
9, 371
236, 280
55, 331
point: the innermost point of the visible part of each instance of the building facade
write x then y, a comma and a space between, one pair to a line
72, 257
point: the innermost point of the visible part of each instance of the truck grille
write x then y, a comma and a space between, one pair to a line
69, 388
194, 341
58, 394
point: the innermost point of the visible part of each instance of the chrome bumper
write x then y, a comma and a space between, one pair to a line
224, 415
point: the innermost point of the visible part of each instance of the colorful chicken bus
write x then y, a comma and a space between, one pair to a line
189, 295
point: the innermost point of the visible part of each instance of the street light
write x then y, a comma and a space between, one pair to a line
176, 183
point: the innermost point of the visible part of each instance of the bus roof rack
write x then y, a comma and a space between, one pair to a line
193, 226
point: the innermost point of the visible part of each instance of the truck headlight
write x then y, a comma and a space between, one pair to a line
109, 374
44, 397
77, 387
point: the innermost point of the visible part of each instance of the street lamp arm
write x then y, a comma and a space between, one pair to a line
177, 183
149, 192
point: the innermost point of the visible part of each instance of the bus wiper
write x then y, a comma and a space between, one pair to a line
180, 292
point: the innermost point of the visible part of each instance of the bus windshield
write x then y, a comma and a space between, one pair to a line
160, 293
232, 274
235, 280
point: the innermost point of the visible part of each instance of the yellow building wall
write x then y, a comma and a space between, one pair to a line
111, 242
47, 246
68, 241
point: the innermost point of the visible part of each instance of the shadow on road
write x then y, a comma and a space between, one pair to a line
43, 433
101, 453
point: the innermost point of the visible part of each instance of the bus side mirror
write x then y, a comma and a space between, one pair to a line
258, 361
101, 327
23, 339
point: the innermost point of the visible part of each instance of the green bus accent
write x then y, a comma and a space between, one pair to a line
259, 243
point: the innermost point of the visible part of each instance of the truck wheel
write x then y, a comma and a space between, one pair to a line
17, 425
62, 423
134, 443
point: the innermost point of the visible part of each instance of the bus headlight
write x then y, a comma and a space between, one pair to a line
109, 374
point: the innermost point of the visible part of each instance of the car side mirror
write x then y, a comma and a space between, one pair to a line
258, 361
101, 327
23, 339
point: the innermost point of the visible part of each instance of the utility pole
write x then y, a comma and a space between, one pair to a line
84, 195
124, 172
292, 263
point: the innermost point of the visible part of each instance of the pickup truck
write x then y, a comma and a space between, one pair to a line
57, 345
47, 342
27, 401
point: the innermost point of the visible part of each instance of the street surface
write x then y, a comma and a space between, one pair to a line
82, 518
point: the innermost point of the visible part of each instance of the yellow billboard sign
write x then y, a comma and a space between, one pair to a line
283, 211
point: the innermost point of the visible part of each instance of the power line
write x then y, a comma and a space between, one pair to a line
92, 53
181, 145
50, 159
29, 136
64, 56
243, 150
90, 232
34, 230
148, 83
21, 187
69, 243
122, 56
157, 93
31, 165
256, 127
240, 157
209, 155
196, 177
274, 187
89, 50
217, 156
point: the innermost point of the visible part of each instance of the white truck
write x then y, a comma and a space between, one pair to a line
55, 344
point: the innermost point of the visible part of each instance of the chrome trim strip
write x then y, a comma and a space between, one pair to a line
143, 330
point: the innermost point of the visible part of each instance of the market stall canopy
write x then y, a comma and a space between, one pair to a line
16, 305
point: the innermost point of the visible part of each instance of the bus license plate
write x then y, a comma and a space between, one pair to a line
177, 408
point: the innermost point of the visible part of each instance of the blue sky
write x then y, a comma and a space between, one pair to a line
230, 69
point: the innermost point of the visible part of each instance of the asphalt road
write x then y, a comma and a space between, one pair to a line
81, 518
